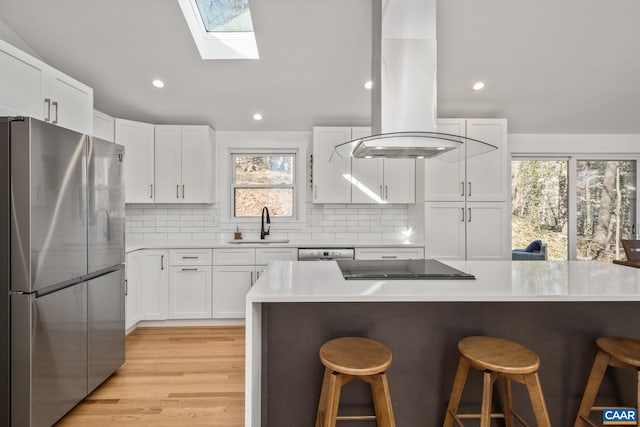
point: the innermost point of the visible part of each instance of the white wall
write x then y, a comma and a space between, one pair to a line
568, 144
7, 34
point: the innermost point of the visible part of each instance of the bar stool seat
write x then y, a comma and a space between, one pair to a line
348, 358
618, 352
497, 358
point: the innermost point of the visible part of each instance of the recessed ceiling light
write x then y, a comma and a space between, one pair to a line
158, 83
368, 85
257, 116
478, 86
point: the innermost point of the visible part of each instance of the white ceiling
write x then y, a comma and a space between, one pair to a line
550, 66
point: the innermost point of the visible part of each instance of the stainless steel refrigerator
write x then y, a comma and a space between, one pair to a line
61, 265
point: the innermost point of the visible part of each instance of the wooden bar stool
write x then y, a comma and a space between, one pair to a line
497, 358
612, 351
352, 357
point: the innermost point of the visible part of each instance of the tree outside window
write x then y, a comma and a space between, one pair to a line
261, 180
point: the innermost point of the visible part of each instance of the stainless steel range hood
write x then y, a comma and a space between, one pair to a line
403, 111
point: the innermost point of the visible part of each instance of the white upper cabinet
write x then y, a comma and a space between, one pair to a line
487, 231
184, 164
330, 178
399, 183
444, 175
445, 230
485, 176
30, 87
71, 103
21, 83
198, 164
349, 180
138, 140
487, 172
168, 164
104, 126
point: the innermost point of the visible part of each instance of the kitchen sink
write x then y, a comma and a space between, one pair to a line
254, 241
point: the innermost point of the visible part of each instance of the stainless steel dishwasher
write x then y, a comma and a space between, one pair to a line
325, 254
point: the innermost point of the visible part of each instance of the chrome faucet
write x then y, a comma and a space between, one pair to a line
262, 230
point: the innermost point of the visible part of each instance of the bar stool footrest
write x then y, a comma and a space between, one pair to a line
355, 417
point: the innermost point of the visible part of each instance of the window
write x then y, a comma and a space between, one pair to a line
605, 207
539, 205
261, 180
580, 207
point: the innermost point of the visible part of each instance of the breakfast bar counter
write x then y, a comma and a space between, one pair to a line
555, 308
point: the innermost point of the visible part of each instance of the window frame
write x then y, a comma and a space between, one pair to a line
573, 157
263, 152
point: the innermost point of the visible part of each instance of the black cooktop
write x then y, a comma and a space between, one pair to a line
413, 269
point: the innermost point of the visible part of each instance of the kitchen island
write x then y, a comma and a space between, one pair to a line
555, 308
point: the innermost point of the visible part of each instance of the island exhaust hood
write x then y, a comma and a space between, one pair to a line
403, 99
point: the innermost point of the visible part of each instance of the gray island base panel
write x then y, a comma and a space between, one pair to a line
423, 338
557, 309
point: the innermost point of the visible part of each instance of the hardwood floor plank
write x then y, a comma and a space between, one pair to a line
172, 377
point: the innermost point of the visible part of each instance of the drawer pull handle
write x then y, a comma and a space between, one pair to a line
189, 257
189, 269
389, 256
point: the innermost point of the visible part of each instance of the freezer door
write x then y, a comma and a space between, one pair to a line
106, 204
49, 210
48, 355
106, 326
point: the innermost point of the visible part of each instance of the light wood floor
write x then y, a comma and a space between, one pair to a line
172, 377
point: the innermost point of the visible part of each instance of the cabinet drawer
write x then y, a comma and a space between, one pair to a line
190, 256
390, 253
265, 256
245, 256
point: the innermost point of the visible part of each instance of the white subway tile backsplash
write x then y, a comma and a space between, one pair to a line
338, 223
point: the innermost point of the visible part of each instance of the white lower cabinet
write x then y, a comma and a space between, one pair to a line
153, 275
189, 292
471, 231
230, 286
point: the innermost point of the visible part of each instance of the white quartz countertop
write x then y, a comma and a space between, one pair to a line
218, 244
321, 281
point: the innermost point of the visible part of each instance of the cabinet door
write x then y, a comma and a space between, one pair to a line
331, 178
445, 230
21, 83
367, 181
399, 181
487, 231
487, 171
197, 164
168, 153
230, 287
138, 159
444, 175
154, 284
103, 126
71, 102
189, 292
132, 290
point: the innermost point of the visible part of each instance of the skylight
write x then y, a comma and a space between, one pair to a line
225, 15
221, 29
